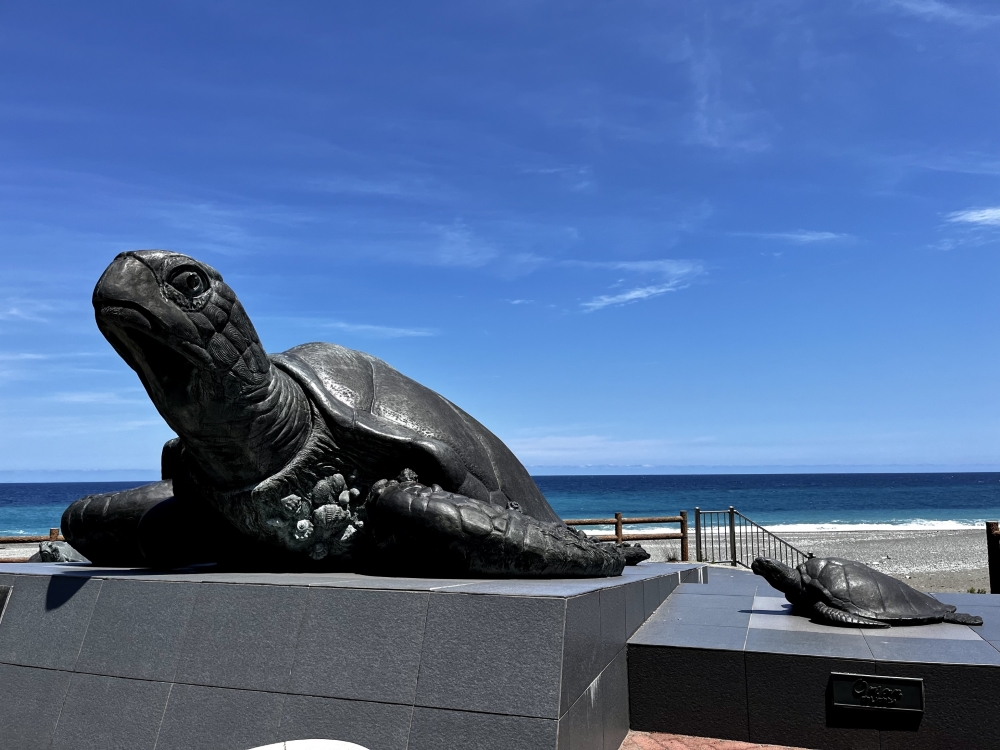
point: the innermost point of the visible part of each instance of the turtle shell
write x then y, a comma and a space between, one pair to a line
854, 587
385, 422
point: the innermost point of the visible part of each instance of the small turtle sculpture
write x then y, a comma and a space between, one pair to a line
849, 593
318, 458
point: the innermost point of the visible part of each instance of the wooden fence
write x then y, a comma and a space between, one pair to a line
619, 536
54, 536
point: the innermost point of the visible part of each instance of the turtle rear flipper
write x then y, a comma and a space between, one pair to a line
433, 532
963, 619
838, 617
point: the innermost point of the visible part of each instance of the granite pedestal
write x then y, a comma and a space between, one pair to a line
99, 658
729, 660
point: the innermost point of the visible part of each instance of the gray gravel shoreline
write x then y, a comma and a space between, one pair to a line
927, 560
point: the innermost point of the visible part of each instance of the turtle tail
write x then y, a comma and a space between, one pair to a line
963, 619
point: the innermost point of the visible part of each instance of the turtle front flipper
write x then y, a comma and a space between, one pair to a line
963, 619
833, 616
434, 532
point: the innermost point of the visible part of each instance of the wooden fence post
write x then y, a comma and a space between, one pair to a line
993, 554
618, 527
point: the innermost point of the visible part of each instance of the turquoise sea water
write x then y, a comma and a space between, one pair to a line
781, 501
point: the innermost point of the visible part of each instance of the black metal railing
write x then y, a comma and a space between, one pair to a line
727, 536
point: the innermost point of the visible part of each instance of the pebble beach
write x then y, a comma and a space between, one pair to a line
927, 560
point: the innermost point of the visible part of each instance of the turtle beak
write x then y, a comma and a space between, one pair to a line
131, 309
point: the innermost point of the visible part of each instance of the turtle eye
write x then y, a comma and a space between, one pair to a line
189, 281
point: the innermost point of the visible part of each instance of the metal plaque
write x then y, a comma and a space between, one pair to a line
874, 692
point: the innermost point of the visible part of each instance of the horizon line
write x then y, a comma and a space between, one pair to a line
52, 476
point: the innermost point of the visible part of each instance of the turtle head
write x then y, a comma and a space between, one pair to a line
178, 325
780, 576
183, 330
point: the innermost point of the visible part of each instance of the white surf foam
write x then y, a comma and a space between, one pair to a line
914, 524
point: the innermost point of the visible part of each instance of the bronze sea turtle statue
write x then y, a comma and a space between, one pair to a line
845, 592
321, 457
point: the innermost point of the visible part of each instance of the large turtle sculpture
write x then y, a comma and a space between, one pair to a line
849, 593
318, 458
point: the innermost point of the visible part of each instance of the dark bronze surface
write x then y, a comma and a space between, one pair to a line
319, 457
849, 593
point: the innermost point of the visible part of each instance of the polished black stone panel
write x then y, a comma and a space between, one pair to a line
332, 660
474, 654
137, 628
211, 718
242, 636
598, 719
614, 697
960, 707
101, 712
635, 612
581, 661
30, 701
613, 611
46, 619
582, 725
688, 691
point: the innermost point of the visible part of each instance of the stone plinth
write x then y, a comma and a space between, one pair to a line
729, 660
95, 658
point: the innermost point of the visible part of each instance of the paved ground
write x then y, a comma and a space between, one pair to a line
656, 741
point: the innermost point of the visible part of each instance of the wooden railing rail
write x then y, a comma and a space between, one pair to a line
54, 536
620, 536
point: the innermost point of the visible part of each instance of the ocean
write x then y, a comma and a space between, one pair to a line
781, 502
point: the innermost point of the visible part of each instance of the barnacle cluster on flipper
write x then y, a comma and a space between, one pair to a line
327, 519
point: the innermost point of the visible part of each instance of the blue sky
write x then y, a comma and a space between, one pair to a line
636, 236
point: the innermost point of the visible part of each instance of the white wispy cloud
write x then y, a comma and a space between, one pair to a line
93, 397
935, 10
459, 246
981, 216
666, 267
34, 357
715, 121
21, 357
674, 275
394, 186
379, 332
24, 310
632, 295
576, 178
800, 236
